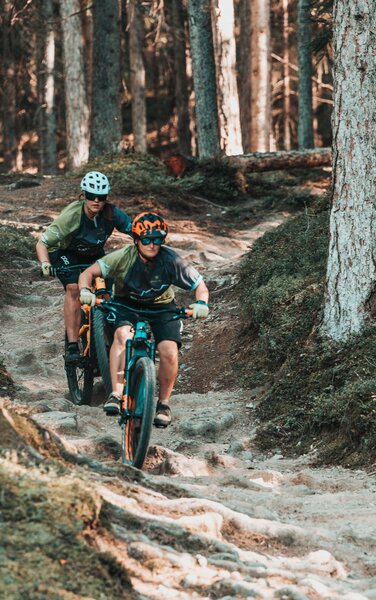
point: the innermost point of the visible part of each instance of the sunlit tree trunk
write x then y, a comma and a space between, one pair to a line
106, 126
244, 72
351, 274
181, 80
260, 82
47, 147
136, 59
227, 87
286, 78
305, 123
204, 78
9, 105
77, 112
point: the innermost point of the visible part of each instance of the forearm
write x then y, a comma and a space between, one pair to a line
86, 278
42, 253
202, 292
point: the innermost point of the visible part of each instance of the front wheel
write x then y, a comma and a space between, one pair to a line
102, 339
136, 429
80, 377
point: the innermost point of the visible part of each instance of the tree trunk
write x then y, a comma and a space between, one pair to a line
204, 78
260, 82
181, 81
136, 59
227, 87
106, 126
244, 72
286, 78
271, 161
351, 272
47, 148
305, 123
9, 90
77, 112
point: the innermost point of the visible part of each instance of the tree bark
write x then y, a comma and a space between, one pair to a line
260, 68
77, 112
47, 147
9, 90
286, 78
305, 121
181, 80
271, 161
106, 125
227, 87
244, 72
351, 273
204, 80
136, 59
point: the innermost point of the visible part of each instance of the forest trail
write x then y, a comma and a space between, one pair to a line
209, 516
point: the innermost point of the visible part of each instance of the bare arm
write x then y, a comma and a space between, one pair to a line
42, 253
86, 278
202, 292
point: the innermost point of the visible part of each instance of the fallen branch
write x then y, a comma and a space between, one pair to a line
271, 161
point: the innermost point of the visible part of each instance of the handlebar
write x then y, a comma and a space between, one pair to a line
179, 313
68, 269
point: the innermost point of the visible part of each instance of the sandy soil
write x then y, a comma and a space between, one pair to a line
277, 527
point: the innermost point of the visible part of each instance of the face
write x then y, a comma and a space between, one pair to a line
148, 252
95, 203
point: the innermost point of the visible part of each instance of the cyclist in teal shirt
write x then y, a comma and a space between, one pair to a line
77, 236
143, 275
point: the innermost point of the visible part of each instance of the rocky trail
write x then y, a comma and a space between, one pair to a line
209, 516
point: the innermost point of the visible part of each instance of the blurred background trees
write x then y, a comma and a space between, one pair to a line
199, 77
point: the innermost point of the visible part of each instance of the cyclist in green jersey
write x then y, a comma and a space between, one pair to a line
143, 275
77, 236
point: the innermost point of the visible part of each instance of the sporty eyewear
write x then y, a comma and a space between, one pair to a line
157, 241
92, 197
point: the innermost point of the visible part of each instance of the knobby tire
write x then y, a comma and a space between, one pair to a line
136, 432
80, 377
102, 347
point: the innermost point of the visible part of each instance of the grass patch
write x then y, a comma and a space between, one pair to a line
322, 396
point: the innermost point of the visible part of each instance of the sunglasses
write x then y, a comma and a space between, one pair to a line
156, 241
92, 197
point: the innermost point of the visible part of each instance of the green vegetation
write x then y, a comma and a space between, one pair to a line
322, 396
15, 243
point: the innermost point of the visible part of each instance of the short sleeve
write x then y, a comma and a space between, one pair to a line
183, 275
123, 223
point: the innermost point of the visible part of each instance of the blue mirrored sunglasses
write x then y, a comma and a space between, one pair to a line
156, 241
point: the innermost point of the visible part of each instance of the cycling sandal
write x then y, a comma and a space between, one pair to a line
112, 405
162, 415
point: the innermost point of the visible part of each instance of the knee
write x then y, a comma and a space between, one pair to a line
121, 335
168, 351
72, 291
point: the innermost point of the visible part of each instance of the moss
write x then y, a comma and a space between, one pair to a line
15, 243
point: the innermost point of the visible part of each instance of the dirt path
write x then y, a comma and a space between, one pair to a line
210, 517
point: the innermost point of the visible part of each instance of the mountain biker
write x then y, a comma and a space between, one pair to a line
143, 276
77, 236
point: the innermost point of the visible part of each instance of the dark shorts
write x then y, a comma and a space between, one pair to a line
67, 258
161, 325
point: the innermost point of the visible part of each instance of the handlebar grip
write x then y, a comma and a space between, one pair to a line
188, 312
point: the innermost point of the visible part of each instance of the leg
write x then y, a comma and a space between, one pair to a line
117, 358
72, 312
168, 368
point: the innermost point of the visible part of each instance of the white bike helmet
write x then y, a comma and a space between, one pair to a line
96, 183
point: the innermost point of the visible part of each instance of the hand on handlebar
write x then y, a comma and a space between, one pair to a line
87, 297
200, 310
47, 270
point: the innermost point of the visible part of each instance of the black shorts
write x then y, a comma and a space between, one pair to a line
162, 326
67, 258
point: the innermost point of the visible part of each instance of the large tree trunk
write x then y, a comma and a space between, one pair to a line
305, 123
260, 83
286, 78
351, 273
77, 112
47, 147
227, 87
106, 126
136, 59
9, 89
244, 72
204, 78
181, 80
271, 161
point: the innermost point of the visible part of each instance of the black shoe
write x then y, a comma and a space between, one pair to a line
162, 415
112, 405
72, 355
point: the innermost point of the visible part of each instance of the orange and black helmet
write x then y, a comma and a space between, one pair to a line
149, 225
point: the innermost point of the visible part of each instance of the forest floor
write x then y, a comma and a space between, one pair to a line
209, 516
